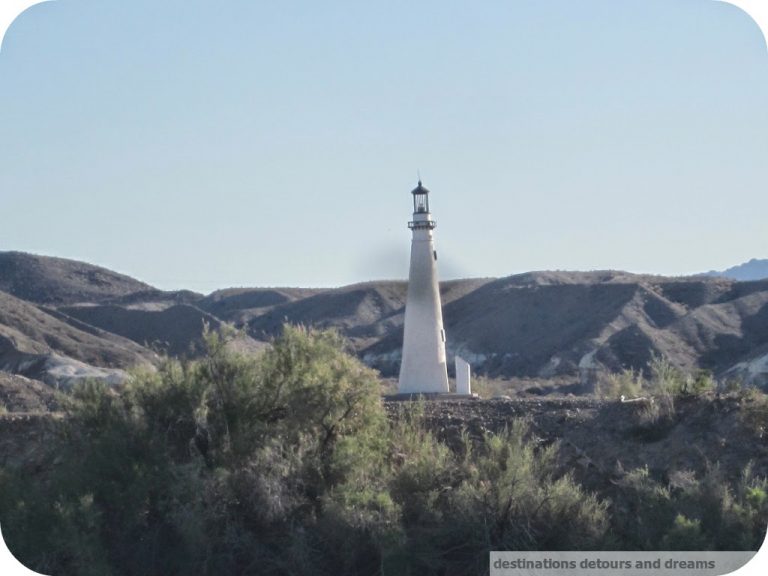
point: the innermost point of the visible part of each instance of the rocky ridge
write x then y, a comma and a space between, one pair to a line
61, 320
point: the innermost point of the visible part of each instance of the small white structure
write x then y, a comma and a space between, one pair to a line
463, 385
423, 367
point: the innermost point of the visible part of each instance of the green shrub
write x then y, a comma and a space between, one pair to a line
284, 463
685, 534
643, 510
691, 513
732, 385
311, 386
626, 383
212, 463
486, 387
742, 522
703, 381
500, 493
655, 416
665, 378
754, 410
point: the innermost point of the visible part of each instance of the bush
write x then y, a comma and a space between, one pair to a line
627, 383
656, 414
500, 493
643, 510
285, 463
754, 410
666, 379
207, 463
655, 417
690, 513
685, 534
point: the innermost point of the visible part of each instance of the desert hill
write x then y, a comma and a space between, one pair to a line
241, 304
755, 269
20, 394
32, 330
545, 324
41, 345
552, 324
63, 320
47, 280
176, 330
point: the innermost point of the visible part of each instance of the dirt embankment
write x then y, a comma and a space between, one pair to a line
600, 439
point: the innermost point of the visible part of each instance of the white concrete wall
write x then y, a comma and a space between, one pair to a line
423, 367
462, 376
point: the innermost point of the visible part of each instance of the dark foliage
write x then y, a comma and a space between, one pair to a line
286, 464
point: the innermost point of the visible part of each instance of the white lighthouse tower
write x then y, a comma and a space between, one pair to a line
423, 368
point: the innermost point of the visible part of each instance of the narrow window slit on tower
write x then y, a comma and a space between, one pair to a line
434, 253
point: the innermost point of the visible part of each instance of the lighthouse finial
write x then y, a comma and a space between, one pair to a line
418, 175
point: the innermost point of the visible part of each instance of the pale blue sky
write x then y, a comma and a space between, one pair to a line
206, 144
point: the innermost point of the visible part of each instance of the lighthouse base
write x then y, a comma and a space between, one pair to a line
431, 396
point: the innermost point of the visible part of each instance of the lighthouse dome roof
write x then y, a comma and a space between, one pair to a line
419, 189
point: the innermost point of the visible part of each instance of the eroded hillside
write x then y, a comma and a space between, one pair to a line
538, 325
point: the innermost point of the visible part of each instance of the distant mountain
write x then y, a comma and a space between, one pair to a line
367, 314
32, 330
239, 304
753, 270
42, 345
176, 330
63, 320
548, 324
545, 324
46, 280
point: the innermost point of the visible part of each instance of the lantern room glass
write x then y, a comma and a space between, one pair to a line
420, 203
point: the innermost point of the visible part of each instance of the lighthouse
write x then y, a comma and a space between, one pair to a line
423, 367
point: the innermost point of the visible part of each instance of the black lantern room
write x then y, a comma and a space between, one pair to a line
420, 199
